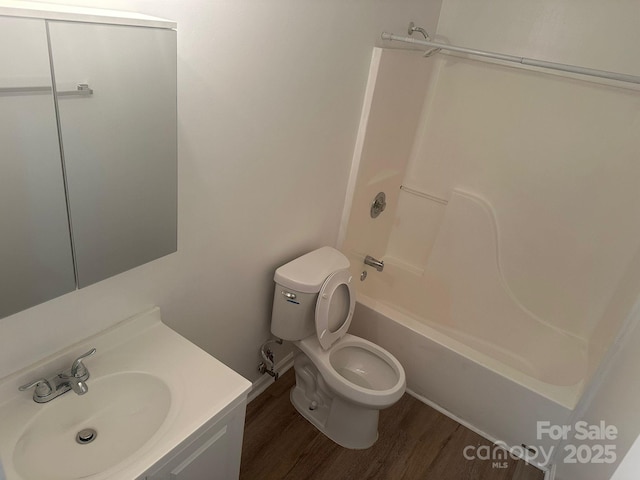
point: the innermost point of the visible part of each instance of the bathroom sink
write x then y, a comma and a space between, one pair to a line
150, 393
119, 414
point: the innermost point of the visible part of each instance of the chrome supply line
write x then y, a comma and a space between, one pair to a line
531, 62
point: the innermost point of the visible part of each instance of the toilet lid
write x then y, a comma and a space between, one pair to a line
334, 308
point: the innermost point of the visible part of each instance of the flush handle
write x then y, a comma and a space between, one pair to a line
289, 295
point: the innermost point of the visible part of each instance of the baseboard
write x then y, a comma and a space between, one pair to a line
265, 380
474, 429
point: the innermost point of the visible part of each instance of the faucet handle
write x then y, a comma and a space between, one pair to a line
77, 368
43, 387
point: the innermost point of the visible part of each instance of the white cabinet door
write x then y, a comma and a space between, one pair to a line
207, 460
212, 453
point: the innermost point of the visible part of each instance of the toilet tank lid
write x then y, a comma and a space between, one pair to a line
307, 273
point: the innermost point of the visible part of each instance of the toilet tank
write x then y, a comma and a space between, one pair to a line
293, 318
297, 286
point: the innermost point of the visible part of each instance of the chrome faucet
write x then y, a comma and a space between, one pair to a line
75, 378
372, 262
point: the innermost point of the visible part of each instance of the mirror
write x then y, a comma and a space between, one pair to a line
35, 247
119, 143
88, 177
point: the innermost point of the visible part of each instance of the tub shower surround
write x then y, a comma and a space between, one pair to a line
504, 275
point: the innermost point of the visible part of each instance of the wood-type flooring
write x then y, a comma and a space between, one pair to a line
415, 442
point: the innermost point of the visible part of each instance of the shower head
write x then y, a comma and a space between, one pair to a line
412, 28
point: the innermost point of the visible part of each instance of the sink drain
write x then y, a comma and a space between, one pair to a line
86, 435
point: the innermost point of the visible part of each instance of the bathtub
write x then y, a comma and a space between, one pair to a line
454, 375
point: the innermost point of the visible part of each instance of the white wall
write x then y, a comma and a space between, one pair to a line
269, 98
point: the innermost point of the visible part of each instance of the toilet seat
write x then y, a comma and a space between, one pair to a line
326, 336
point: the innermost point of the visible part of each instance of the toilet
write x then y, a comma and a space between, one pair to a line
342, 381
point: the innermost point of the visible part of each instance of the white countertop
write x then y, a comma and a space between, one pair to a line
202, 388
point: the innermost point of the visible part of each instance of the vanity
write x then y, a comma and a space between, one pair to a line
157, 407
88, 189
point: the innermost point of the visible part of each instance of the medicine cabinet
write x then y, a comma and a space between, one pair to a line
88, 168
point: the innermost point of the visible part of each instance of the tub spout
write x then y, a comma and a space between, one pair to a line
372, 262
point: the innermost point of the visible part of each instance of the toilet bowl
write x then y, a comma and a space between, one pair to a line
342, 381
358, 370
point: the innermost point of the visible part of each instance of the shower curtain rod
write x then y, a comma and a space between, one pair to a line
622, 77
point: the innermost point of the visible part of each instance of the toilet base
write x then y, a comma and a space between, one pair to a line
347, 424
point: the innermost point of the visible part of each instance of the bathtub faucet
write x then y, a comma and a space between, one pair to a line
372, 262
